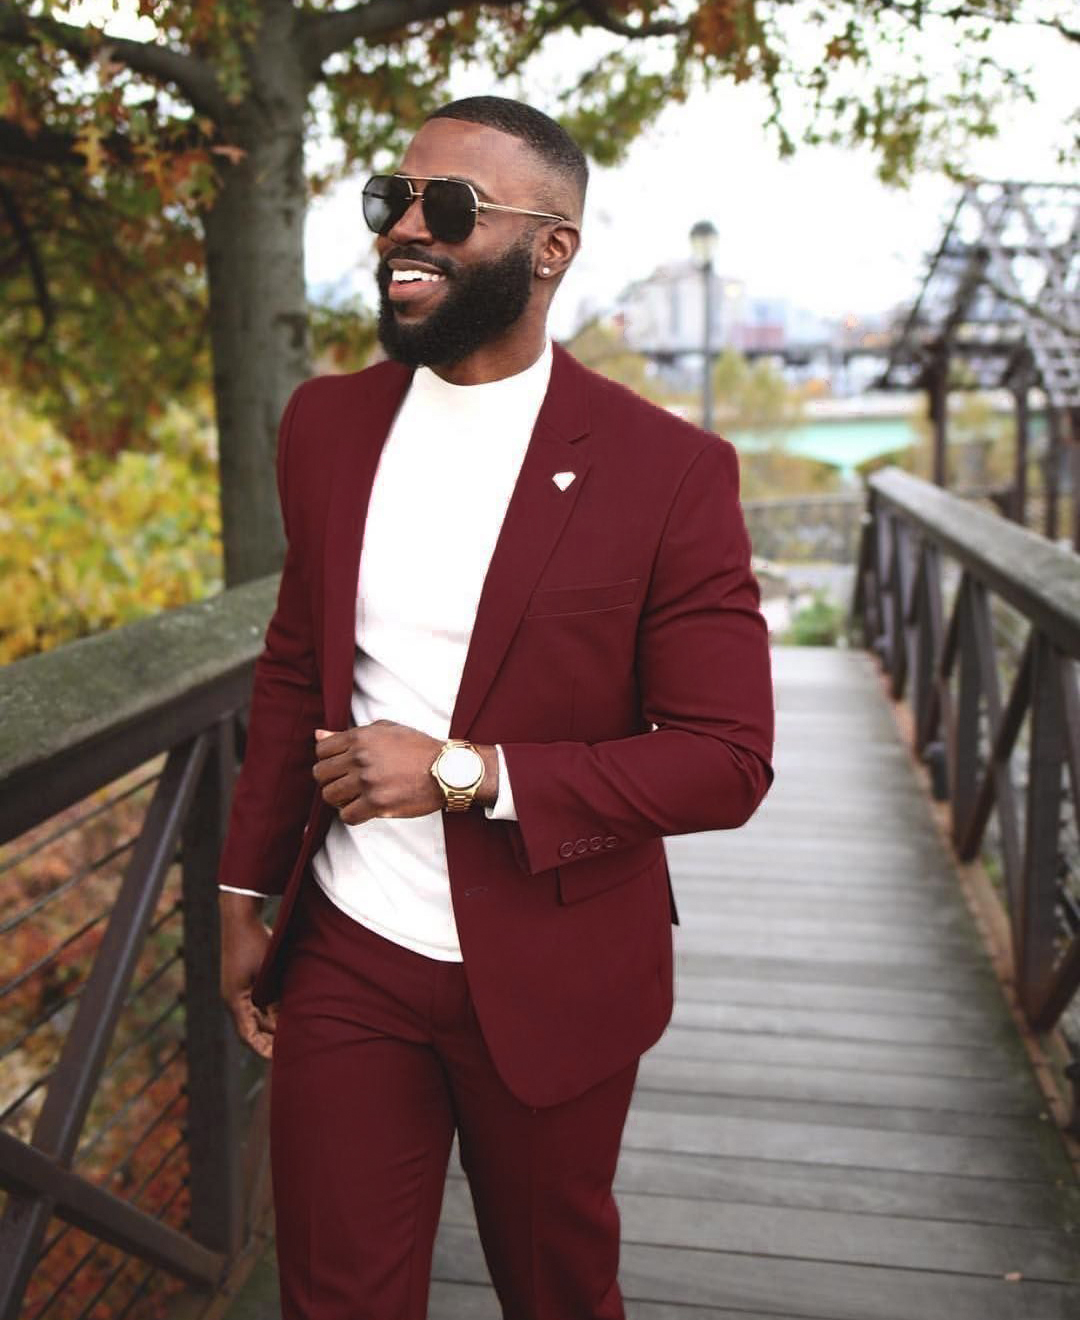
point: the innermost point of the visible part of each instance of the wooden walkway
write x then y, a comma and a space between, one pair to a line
841, 1123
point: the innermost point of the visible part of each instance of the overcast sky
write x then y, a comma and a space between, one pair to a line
819, 229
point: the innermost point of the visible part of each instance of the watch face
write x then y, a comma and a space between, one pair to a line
460, 766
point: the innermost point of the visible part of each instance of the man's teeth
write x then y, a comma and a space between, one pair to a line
409, 276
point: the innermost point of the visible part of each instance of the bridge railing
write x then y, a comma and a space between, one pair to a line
132, 1123
977, 622
802, 528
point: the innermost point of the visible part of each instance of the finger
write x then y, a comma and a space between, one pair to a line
356, 812
243, 1018
333, 744
265, 1023
341, 792
335, 767
263, 1044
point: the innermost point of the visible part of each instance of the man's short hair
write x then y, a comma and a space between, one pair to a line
543, 134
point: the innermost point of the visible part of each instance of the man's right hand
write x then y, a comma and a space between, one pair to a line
244, 937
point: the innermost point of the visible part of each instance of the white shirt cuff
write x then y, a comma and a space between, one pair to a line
503, 808
231, 889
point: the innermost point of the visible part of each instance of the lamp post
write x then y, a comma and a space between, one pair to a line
703, 239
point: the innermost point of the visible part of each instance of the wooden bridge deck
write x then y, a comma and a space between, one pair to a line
841, 1123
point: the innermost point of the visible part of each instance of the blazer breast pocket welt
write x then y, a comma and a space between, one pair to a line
586, 599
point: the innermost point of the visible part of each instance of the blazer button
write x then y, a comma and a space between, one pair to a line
610, 841
566, 849
582, 846
596, 843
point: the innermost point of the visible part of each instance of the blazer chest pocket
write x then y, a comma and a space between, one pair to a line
581, 600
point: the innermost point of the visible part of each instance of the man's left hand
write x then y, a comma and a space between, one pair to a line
380, 769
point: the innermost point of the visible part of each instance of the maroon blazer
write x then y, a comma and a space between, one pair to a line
619, 657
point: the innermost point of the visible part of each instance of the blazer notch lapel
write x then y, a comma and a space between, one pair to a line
538, 511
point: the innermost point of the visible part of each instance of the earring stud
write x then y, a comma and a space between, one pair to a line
545, 270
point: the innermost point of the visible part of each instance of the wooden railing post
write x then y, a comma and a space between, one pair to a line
1036, 925
883, 577
964, 742
927, 620
215, 1126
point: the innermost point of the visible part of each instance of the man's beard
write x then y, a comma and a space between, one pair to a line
480, 303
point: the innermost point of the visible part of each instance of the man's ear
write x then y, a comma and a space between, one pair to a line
557, 250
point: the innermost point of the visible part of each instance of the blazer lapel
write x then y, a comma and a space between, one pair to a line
355, 462
535, 517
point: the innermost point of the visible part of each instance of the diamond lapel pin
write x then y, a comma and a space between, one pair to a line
563, 479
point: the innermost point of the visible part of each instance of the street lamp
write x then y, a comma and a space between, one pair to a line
703, 239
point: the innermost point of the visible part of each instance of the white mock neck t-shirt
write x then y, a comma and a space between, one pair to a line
441, 490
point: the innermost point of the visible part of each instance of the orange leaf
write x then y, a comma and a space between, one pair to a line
88, 144
234, 155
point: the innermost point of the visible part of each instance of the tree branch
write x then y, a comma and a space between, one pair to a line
601, 17
45, 147
24, 241
195, 78
954, 12
50, 146
539, 36
1059, 26
325, 33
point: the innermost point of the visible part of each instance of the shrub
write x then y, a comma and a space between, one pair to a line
821, 623
89, 542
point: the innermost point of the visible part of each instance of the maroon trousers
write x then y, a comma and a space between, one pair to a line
378, 1060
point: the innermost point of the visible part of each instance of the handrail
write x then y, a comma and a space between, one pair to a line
1038, 577
1007, 761
173, 687
77, 717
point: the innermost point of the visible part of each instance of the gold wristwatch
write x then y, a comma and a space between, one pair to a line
459, 771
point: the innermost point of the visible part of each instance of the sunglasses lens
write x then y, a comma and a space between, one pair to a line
449, 210
385, 201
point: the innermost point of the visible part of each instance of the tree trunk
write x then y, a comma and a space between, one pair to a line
258, 312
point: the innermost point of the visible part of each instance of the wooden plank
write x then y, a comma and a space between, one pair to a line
849, 1147
698, 987
801, 899
939, 1197
796, 1288
463, 1301
830, 1291
947, 939
475, 1301
838, 1111
862, 1191
832, 1024
925, 1060
863, 870
854, 972
776, 942
639, 1310
815, 1234
965, 1100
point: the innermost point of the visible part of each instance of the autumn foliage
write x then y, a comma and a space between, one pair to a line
90, 541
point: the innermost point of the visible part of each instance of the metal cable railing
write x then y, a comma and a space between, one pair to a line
125, 1096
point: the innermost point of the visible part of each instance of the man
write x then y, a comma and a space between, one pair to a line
517, 641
